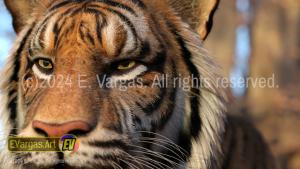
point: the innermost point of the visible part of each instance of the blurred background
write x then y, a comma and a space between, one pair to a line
261, 39
7, 37
250, 39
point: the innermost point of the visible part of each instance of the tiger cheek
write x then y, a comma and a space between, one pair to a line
64, 98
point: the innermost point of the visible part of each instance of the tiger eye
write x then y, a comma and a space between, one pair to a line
45, 64
126, 65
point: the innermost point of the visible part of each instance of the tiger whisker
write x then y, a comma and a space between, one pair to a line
173, 145
157, 164
116, 166
147, 159
130, 156
160, 157
148, 165
181, 159
164, 138
129, 164
150, 152
180, 149
139, 158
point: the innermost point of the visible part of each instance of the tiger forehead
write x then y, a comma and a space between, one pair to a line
107, 36
111, 30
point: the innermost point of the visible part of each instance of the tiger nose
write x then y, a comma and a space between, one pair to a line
57, 130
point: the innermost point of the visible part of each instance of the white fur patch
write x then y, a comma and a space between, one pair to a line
207, 147
39, 74
109, 34
48, 32
130, 75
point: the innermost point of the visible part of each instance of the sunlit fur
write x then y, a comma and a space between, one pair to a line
148, 127
167, 37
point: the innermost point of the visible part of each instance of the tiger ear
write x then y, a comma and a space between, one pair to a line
20, 11
197, 13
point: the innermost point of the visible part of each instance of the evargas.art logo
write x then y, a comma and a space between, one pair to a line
67, 143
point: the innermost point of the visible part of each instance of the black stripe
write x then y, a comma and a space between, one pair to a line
92, 10
159, 61
56, 31
194, 100
81, 34
117, 128
44, 23
60, 22
209, 23
12, 105
139, 3
145, 49
156, 65
85, 34
109, 144
125, 115
171, 100
40, 26
14, 76
196, 122
185, 142
150, 108
76, 12
105, 158
136, 120
99, 26
53, 13
64, 3
128, 23
159, 37
69, 13
118, 5
124, 19
42, 37
90, 38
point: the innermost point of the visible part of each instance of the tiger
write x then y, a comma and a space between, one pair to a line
141, 126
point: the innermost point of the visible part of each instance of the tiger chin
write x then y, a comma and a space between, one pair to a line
67, 51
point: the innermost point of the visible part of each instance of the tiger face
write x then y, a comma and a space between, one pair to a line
91, 69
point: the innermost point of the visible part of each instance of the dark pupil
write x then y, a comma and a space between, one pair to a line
125, 64
46, 64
